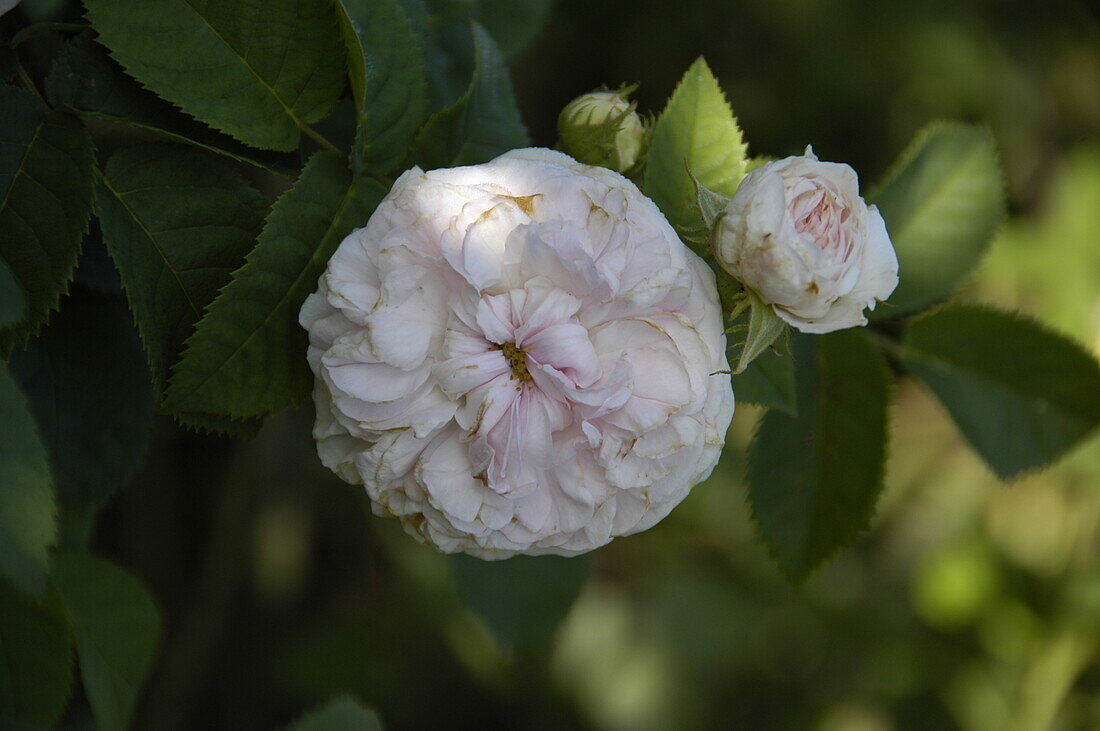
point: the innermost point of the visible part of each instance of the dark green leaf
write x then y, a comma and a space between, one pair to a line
447, 47
521, 599
177, 223
696, 139
94, 268
218, 425
484, 123
28, 524
116, 625
387, 79
88, 385
1020, 393
36, 672
259, 70
247, 356
513, 24
768, 381
814, 478
443, 29
12, 301
8, 64
942, 203
89, 82
45, 202
342, 714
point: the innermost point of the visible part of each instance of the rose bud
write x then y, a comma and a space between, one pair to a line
518, 357
798, 234
603, 128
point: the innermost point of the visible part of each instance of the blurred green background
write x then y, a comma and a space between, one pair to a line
969, 604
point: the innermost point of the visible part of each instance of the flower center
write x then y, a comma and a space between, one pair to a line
517, 360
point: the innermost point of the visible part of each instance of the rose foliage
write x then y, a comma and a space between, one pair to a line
512, 352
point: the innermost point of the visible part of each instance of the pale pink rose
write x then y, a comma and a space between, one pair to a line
518, 357
799, 235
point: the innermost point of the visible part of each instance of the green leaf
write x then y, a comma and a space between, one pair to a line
768, 381
45, 202
695, 136
342, 714
1020, 393
763, 327
247, 356
259, 70
443, 30
513, 24
12, 301
387, 79
446, 47
219, 425
88, 386
177, 223
814, 479
87, 81
28, 523
709, 203
116, 625
942, 202
36, 674
8, 64
522, 599
482, 124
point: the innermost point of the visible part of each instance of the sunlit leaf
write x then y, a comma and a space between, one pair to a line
697, 137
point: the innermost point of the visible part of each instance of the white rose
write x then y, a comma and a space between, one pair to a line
518, 357
799, 235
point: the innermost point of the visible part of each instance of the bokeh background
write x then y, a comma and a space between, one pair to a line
968, 604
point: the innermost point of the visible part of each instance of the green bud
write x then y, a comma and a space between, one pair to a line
603, 128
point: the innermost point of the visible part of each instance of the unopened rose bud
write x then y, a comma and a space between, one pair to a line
799, 235
602, 128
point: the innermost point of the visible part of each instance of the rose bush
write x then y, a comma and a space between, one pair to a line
518, 357
798, 234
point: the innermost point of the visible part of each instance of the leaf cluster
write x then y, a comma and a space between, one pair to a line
173, 181
1021, 394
